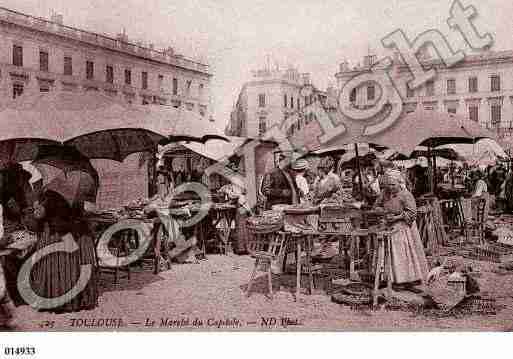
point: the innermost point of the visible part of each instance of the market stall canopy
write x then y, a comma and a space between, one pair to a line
97, 125
480, 148
446, 153
217, 149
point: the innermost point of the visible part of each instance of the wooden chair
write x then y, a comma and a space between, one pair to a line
475, 220
297, 243
119, 247
266, 247
382, 264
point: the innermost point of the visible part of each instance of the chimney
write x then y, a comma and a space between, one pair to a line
57, 18
122, 36
369, 60
344, 66
169, 51
306, 78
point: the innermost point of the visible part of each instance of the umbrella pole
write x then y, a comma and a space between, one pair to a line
152, 178
434, 174
430, 169
359, 169
453, 166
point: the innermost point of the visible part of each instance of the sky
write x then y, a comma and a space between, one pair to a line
237, 36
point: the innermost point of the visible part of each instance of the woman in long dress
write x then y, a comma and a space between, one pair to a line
408, 260
57, 273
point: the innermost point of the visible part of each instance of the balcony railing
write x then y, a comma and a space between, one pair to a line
42, 24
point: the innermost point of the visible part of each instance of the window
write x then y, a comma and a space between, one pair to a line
128, 77
284, 100
306, 101
89, 70
298, 103
495, 83
43, 61
161, 82
472, 84
109, 74
409, 92
291, 102
68, 66
371, 92
17, 90
352, 95
44, 88
473, 113
188, 85
175, 86
430, 88
200, 92
17, 55
261, 100
144, 80
496, 115
451, 87
452, 110
262, 126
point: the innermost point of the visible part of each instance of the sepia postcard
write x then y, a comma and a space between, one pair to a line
255, 166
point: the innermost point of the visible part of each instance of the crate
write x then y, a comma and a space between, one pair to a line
335, 219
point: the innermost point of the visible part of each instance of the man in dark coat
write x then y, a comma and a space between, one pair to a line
279, 187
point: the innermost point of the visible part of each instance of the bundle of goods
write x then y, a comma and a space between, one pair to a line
269, 221
137, 204
261, 229
342, 196
303, 217
104, 216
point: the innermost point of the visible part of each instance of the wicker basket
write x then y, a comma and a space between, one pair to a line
259, 224
353, 294
497, 253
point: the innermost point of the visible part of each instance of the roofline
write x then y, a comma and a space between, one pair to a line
99, 44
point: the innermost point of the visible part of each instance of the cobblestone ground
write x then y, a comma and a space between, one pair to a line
210, 296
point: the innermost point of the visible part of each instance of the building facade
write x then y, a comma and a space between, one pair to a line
39, 55
268, 99
480, 88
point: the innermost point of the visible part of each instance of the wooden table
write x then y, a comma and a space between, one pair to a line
127, 238
217, 221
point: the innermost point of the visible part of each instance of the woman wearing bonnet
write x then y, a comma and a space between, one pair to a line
409, 264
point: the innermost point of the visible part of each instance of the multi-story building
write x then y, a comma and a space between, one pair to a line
267, 100
479, 88
39, 55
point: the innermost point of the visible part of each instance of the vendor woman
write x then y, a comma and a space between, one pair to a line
328, 183
409, 264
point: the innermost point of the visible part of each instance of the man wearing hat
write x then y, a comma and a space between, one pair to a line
279, 185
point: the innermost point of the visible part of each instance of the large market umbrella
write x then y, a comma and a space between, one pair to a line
97, 125
20, 149
74, 187
67, 172
420, 128
60, 160
447, 153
